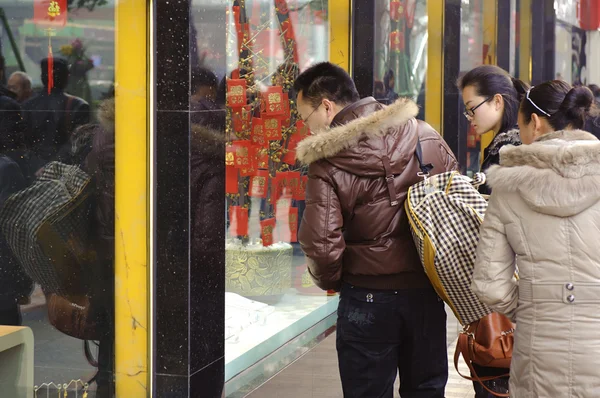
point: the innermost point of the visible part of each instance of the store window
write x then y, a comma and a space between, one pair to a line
270, 297
400, 50
57, 201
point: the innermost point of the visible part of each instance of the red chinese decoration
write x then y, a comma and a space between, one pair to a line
52, 14
238, 221
236, 93
231, 180
241, 118
301, 191
273, 101
293, 222
262, 159
272, 129
397, 41
396, 10
259, 184
589, 14
302, 129
267, 227
410, 14
258, 133
293, 182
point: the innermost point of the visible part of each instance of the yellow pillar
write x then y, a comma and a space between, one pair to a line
525, 35
434, 86
339, 13
131, 201
490, 37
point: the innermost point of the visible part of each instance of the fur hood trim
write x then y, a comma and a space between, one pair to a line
331, 141
558, 174
206, 142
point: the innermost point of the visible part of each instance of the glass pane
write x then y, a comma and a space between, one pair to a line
401, 50
57, 173
270, 297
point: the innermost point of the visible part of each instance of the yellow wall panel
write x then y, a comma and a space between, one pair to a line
339, 33
434, 86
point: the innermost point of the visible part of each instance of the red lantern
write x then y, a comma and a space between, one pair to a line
236, 93
259, 184
267, 227
238, 221
51, 14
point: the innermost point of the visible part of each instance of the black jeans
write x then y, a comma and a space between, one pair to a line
383, 332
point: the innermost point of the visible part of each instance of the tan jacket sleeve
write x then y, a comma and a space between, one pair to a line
320, 233
493, 276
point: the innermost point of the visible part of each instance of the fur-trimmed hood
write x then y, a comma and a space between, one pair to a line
359, 145
558, 174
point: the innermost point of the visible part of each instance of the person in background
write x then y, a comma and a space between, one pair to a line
51, 118
543, 218
203, 100
355, 233
20, 84
15, 285
592, 124
389, 82
492, 97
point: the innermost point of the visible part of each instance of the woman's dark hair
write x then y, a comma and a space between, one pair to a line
489, 80
567, 106
595, 90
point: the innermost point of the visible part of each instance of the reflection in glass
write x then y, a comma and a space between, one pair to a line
57, 193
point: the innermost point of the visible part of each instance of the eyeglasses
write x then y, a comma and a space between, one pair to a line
308, 117
470, 113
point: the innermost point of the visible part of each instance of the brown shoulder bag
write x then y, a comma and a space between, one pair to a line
487, 342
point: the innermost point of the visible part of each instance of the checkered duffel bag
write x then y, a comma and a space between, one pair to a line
445, 212
47, 226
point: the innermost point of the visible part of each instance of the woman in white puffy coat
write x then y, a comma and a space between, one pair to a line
544, 219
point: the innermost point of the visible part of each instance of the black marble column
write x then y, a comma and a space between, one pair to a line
189, 287
363, 46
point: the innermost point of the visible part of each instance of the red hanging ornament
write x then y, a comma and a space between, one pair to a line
259, 184
51, 15
267, 227
293, 222
238, 221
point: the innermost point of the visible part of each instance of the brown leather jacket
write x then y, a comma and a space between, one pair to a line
352, 230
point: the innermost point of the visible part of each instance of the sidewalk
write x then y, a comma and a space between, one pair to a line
315, 375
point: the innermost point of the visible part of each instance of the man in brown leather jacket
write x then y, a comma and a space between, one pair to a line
356, 236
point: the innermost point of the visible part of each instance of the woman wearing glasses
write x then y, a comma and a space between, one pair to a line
543, 217
492, 97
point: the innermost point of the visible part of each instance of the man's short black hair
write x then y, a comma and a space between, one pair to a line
60, 71
326, 80
203, 77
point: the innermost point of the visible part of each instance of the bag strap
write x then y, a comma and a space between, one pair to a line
425, 168
464, 346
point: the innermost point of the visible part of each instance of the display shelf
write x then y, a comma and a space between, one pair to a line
276, 325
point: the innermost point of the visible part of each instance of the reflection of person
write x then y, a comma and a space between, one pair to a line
20, 84
544, 212
14, 283
491, 97
357, 239
100, 164
389, 82
203, 100
51, 118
